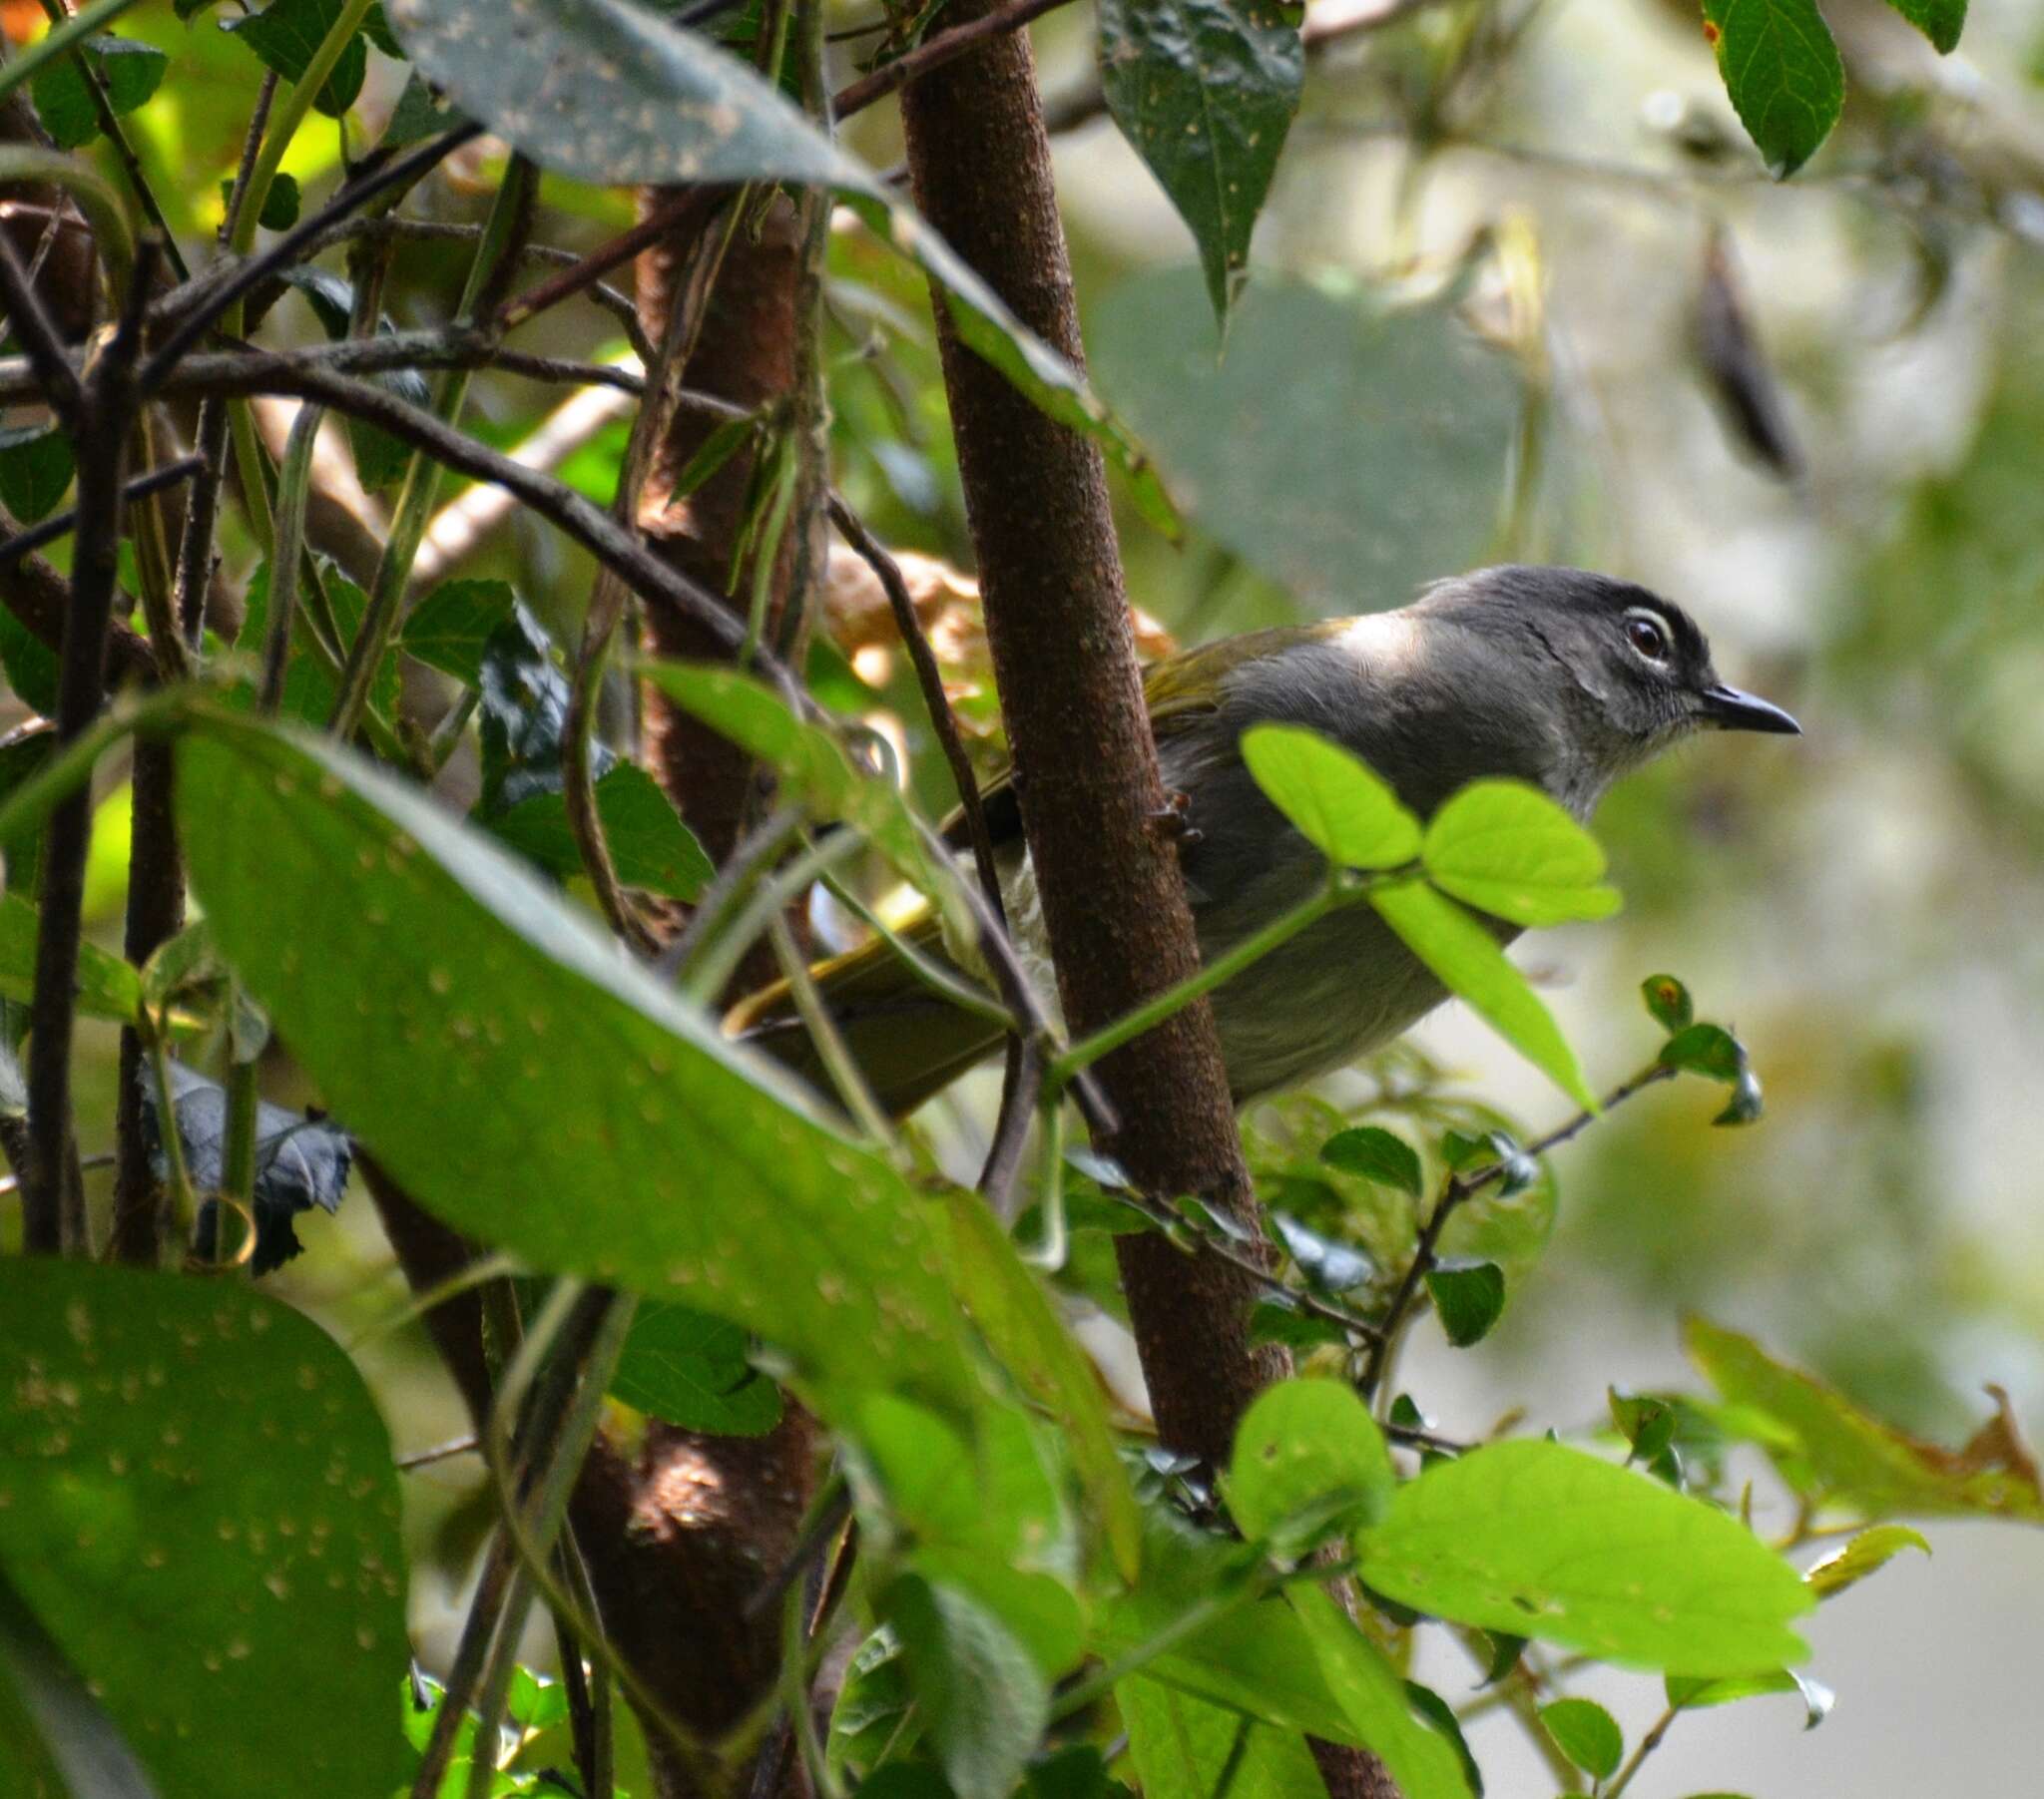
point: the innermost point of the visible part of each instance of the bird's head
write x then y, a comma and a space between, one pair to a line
1631, 670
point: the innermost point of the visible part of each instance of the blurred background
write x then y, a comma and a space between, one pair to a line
1523, 290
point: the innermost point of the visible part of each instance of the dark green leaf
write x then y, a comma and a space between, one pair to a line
285, 34
34, 469
1470, 1299
1376, 1154
128, 72
650, 845
31, 664
1828, 1449
1783, 72
1460, 1150
1308, 1460
1272, 1321
503, 1059
1346, 451
107, 986
55, 1737
187, 1467
1204, 91
1708, 1050
1869, 1550
872, 1704
1505, 848
1543, 1541
694, 1371
279, 206
1336, 801
448, 629
1587, 1734
1669, 1002
1647, 1424
1441, 1715
376, 28
1505, 1651
1688, 1694
309, 689
1466, 960
1941, 21
984, 1702
23, 751
1077, 1771
417, 116
525, 700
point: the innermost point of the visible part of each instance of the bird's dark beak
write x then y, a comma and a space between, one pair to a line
1730, 710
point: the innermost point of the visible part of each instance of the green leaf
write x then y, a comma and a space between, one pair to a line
31, 664
1470, 1299
35, 470
107, 986
128, 72
608, 92
1869, 1550
1181, 1744
1782, 73
504, 1060
1345, 449
200, 1509
1375, 1155
285, 34
1543, 1541
1466, 960
309, 689
417, 116
984, 1702
1941, 21
1308, 1460
1828, 1449
1708, 1050
1669, 1003
1690, 1694
449, 626
1205, 92
1420, 1759
55, 1736
1587, 1734
1336, 801
650, 845
692, 1370
279, 206
1507, 849
1646, 1423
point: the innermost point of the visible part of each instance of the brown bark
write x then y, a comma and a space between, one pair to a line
1057, 621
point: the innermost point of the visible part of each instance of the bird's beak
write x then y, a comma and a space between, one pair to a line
1730, 710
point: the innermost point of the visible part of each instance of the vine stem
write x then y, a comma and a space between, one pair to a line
1647, 1744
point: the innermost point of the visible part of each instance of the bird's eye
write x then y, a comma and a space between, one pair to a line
1648, 636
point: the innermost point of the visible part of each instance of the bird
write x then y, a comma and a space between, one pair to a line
1558, 676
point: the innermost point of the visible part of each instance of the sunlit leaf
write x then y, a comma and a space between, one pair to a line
1689, 1694
1868, 1551
1507, 849
1336, 801
1181, 1744
1587, 1734
1308, 1459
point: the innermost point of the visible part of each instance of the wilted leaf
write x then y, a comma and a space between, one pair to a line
1869, 1550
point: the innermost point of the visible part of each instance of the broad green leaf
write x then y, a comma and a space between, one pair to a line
30, 664
1204, 91
1587, 1734
984, 1702
1867, 1552
55, 1737
1708, 1050
1828, 1449
1941, 21
611, 93
309, 689
1507, 849
1782, 73
1338, 803
1543, 1541
285, 34
1181, 1744
449, 626
1669, 1003
1348, 451
197, 1500
693, 1370
531, 1084
417, 116
1470, 1299
1466, 960
107, 986
280, 206
1421, 1760
128, 72
34, 469
1689, 1694
1376, 1154
1308, 1459
649, 846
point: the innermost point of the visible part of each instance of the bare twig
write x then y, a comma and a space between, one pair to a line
54, 375
934, 52
670, 216
57, 524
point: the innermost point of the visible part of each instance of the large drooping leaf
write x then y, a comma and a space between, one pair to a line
609, 91
1782, 73
984, 1702
1828, 1449
1540, 1540
1182, 1745
1204, 91
528, 1082
1338, 803
197, 1501
1348, 452
1465, 958
1507, 849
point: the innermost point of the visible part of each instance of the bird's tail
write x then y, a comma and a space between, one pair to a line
908, 1039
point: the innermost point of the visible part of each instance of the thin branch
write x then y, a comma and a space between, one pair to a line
57, 524
934, 52
55, 378
670, 216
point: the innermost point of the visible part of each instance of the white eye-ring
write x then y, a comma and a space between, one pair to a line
1647, 634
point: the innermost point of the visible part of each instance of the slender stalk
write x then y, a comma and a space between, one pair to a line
293, 485
823, 1033
1646, 1745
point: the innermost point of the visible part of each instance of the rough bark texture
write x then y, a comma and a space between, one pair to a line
1057, 625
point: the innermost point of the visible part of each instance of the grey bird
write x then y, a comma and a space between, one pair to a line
1558, 676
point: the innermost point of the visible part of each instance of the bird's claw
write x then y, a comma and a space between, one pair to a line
1173, 820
